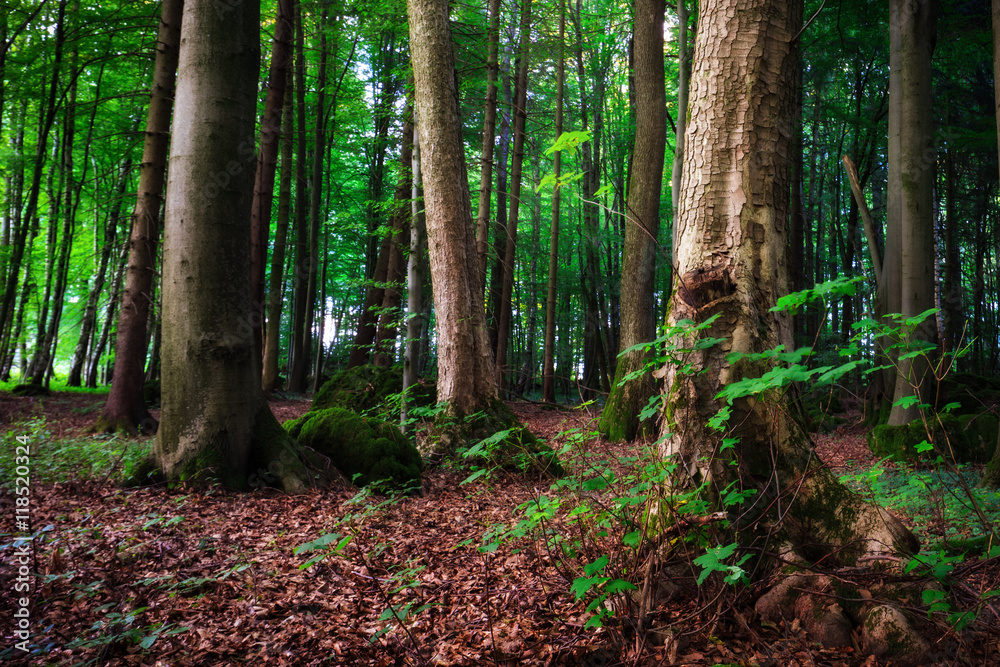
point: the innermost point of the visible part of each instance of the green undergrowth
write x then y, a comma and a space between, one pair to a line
59, 385
53, 460
934, 500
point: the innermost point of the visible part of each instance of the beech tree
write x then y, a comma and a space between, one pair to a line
620, 418
731, 262
215, 421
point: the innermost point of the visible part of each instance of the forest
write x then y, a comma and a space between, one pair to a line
555, 332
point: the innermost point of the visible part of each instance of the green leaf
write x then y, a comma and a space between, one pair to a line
632, 539
924, 446
597, 566
619, 585
318, 543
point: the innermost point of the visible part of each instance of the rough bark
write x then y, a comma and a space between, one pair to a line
215, 422
467, 375
732, 263
620, 417
125, 408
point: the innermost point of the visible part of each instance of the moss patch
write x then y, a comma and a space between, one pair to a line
517, 449
969, 438
368, 387
365, 450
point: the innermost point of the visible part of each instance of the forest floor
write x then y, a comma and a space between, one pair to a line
185, 576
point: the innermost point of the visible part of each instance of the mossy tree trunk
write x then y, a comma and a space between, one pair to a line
215, 422
620, 418
731, 262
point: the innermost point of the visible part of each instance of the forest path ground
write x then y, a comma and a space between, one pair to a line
124, 569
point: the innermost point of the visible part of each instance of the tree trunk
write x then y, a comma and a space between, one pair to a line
466, 370
267, 165
215, 422
489, 138
298, 362
125, 408
917, 158
732, 263
269, 380
414, 276
549, 352
620, 417
516, 177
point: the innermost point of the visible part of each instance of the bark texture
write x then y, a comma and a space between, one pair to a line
467, 374
732, 263
215, 422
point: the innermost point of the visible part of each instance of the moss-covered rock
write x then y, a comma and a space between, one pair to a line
364, 388
365, 450
969, 438
495, 435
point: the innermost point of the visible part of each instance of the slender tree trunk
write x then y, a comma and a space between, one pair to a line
267, 165
549, 353
125, 408
489, 138
414, 276
269, 381
620, 417
299, 355
517, 169
683, 75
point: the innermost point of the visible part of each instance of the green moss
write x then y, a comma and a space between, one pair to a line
366, 450
368, 387
959, 438
519, 450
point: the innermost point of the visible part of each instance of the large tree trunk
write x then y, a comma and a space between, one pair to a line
125, 408
917, 159
732, 263
215, 422
620, 417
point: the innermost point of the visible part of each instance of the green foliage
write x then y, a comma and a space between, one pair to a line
54, 460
